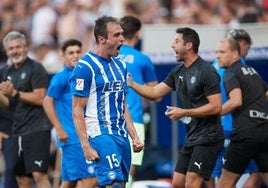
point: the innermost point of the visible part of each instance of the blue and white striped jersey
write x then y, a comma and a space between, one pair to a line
103, 82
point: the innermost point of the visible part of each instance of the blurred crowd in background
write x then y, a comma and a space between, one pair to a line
47, 23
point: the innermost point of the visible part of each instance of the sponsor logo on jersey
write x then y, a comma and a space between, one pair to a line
257, 114
128, 58
113, 86
248, 71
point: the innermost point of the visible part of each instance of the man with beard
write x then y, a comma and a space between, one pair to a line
247, 101
198, 88
22, 91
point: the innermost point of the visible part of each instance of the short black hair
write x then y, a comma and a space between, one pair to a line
190, 35
100, 28
130, 25
70, 42
239, 34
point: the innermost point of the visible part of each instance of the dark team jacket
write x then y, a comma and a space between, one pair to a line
5, 117
28, 118
254, 110
192, 86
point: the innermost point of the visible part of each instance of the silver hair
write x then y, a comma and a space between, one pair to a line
14, 35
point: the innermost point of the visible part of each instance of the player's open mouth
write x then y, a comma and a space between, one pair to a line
118, 48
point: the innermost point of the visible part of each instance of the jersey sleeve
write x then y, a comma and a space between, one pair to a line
81, 80
265, 85
230, 81
211, 81
170, 80
57, 85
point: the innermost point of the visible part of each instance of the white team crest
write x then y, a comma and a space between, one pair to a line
79, 84
111, 175
193, 79
91, 170
9, 78
23, 75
